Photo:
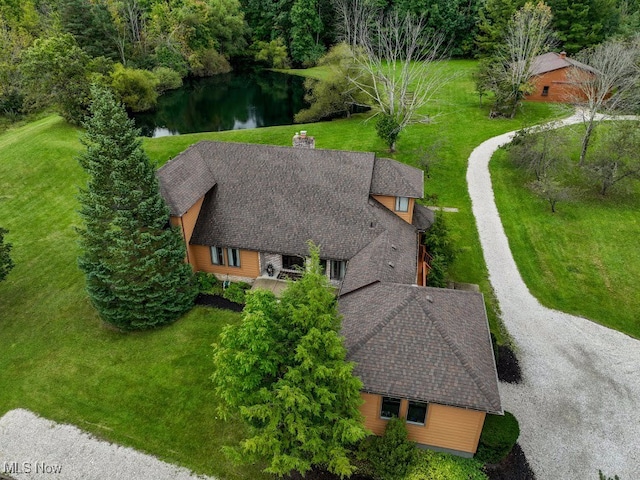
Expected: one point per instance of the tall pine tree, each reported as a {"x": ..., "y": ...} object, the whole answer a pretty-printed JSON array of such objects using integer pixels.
[
  {"x": 133, "y": 260},
  {"x": 284, "y": 371}
]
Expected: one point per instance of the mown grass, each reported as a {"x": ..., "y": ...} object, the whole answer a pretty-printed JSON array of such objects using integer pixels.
[
  {"x": 584, "y": 259},
  {"x": 152, "y": 390}
]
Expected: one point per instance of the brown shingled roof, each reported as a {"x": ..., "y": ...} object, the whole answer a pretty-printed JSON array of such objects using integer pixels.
[
  {"x": 422, "y": 343},
  {"x": 548, "y": 62},
  {"x": 396, "y": 179}
]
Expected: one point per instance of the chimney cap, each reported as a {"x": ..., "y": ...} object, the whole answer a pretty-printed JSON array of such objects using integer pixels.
[{"x": 563, "y": 54}]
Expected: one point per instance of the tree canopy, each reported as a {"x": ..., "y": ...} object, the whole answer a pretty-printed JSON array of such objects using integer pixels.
[
  {"x": 283, "y": 371},
  {"x": 133, "y": 260}
]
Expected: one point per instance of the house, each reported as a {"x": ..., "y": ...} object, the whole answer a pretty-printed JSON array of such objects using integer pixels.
[
  {"x": 247, "y": 212},
  {"x": 552, "y": 77}
]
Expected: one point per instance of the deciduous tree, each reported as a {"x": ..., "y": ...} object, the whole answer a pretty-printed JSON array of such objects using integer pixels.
[
  {"x": 528, "y": 35},
  {"x": 609, "y": 86},
  {"x": 400, "y": 58},
  {"x": 133, "y": 260},
  {"x": 617, "y": 157},
  {"x": 283, "y": 371},
  {"x": 56, "y": 72}
]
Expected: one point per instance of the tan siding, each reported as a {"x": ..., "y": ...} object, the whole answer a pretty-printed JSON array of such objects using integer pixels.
[
  {"x": 450, "y": 427},
  {"x": 370, "y": 410},
  {"x": 446, "y": 427},
  {"x": 187, "y": 222},
  {"x": 390, "y": 203},
  {"x": 249, "y": 263}
]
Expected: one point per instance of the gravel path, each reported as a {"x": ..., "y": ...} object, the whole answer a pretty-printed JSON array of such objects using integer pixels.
[
  {"x": 41, "y": 449},
  {"x": 579, "y": 403}
]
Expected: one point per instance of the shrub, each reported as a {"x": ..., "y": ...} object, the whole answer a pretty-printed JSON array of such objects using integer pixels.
[
  {"x": 429, "y": 465},
  {"x": 441, "y": 249},
  {"x": 388, "y": 130},
  {"x": 167, "y": 79},
  {"x": 236, "y": 292},
  {"x": 136, "y": 88},
  {"x": 206, "y": 281},
  {"x": 499, "y": 435},
  {"x": 208, "y": 62},
  {"x": 391, "y": 455}
]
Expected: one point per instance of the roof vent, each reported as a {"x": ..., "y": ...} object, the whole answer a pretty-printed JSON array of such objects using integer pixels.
[
  {"x": 393, "y": 247},
  {"x": 372, "y": 224},
  {"x": 429, "y": 299},
  {"x": 391, "y": 265}
]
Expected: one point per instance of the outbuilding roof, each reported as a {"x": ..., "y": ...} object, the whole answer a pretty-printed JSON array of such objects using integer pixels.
[
  {"x": 422, "y": 343},
  {"x": 548, "y": 62}
]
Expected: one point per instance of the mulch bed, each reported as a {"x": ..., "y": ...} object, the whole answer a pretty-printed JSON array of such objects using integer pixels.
[
  {"x": 317, "y": 474},
  {"x": 508, "y": 366},
  {"x": 217, "y": 301},
  {"x": 514, "y": 467}
]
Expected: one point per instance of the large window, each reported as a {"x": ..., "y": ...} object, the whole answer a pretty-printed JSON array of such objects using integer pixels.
[
  {"x": 217, "y": 256},
  {"x": 417, "y": 413},
  {"x": 402, "y": 204},
  {"x": 390, "y": 407},
  {"x": 337, "y": 269},
  {"x": 292, "y": 262},
  {"x": 233, "y": 257}
]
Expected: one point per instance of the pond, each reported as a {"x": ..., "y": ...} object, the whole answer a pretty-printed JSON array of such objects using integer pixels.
[{"x": 225, "y": 102}]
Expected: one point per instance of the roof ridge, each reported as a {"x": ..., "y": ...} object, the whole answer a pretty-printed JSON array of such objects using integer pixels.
[
  {"x": 382, "y": 323},
  {"x": 459, "y": 354}
]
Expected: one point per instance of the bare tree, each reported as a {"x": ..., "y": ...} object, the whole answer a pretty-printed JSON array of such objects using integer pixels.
[
  {"x": 399, "y": 68},
  {"x": 617, "y": 157},
  {"x": 552, "y": 190},
  {"x": 528, "y": 35},
  {"x": 608, "y": 84},
  {"x": 352, "y": 16}
]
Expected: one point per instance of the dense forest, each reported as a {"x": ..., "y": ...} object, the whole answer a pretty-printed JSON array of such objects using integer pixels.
[{"x": 52, "y": 50}]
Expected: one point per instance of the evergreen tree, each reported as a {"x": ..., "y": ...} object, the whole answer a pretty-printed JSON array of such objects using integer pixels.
[
  {"x": 306, "y": 26},
  {"x": 133, "y": 261},
  {"x": 283, "y": 371},
  {"x": 6, "y": 264}
]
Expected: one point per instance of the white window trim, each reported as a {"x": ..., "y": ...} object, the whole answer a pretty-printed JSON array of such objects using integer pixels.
[
  {"x": 426, "y": 413},
  {"x": 230, "y": 257},
  {"x": 399, "y": 204},
  {"x": 219, "y": 254}
]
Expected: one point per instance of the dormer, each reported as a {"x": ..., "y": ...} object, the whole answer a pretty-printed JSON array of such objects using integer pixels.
[{"x": 396, "y": 186}]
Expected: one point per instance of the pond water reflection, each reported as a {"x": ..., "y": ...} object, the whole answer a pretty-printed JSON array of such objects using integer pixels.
[{"x": 225, "y": 102}]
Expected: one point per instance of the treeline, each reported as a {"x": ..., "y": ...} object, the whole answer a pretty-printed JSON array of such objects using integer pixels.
[{"x": 51, "y": 50}]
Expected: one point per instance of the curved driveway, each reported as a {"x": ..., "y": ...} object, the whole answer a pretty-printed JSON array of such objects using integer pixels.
[{"x": 579, "y": 403}]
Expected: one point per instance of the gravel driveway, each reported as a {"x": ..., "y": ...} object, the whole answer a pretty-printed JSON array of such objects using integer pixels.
[
  {"x": 34, "y": 448},
  {"x": 579, "y": 403}
]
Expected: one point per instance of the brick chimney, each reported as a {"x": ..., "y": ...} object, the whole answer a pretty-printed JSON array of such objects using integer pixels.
[
  {"x": 302, "y": 140},
  {"x": 563, "y": 54}
]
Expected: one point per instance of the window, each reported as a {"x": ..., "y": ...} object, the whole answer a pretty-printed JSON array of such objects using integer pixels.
[
  {"x": 417, "y": 413},
  {"x": 217, "y": 256},
  {"x": 292, "y": 262},
  {"x": 337, "y": 269},
  {"x": 402, "y": 204},
  {"x": 390, "y": 407},
  {"x": 233, "y": 256},
  {"x": 545, "y": 91},
  {"x": 323, "y": 266}
]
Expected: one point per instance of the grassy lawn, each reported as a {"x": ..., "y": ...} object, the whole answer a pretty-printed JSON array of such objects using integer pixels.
[
  {"x": 584, "y": 259},
  {"x": 151, "y": 390}
]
